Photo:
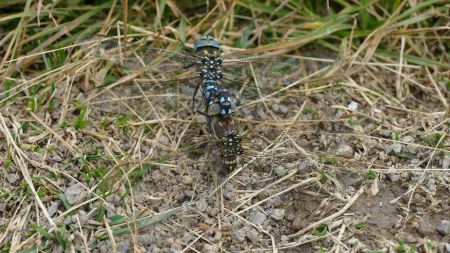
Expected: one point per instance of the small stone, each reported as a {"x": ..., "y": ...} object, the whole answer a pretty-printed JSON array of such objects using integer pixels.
[
  {"x": 12, "y": 178},
  {"x": 57, "y": 158},
  {"x": 443, "y": 227},
  {"x": 164, "y": 140},
  {"x": 385, "y": 133},
  {"x": 283, "y": 109},
  {"x": 53, "y": 208},
  {"x": 304, "y": 166},
  {"x": 352, "y": 106},
  {"x": 186, "y": 180},
  {"x": 277, "y": 214},
  {"x": 229, "y": 186},
  {"x": 176, "y": 245},
  {"x": 447, "y": 248},
  {"x": 189, "y": 193},
  {"x": 36, "y": 157},
  {"x": 370, "y": 143},
  {"x": 168, "y": 242},
  {"x": 58, "y": 249},
  {"x": 345, "y": 150},
  {"x": 218, "y": 236},
  {"x": 110, "y": 210},
  {"x": 407, "y": 139},
  {"x": 68, "y": 220},
  {"x": 201, "y": 205},
  {"x": 253, "y": 235},
  {"x": 280, "y": 170},
  {"x": 124, "y": 247},
  {"x": 394, "y": 177},
  {"x": 261, "y": 114},
  {"x": 146, "y": 239},
  {"x": 298, "y": 222},
  {"x": 239, "y": 235},
  {"x": 75, "y": 193},
  {"x": 276, "y": 107},
  {"x": 397, "y": 147},
  {"x": 210, "y": 248},
  {"x": 446, "y": 163},
  {"x": 2, "y": 222},
  {"x": 424, "y": 229},
  {"x": 259, "y": 218},
  {"x": 349, "y": 179},
  {"x": 83, "y": 217},
  {"x": 290, "y": 217},
  {"x": 387, "y": 148},
  {"x": 431, "y": 183}
]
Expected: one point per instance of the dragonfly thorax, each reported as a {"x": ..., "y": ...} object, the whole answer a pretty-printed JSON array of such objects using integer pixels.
[{"x": 210, "y": 67}]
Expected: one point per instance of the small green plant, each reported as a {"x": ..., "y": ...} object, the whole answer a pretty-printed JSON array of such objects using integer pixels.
[
  {"x": 328, "y": 159},
  {"x": 42, "y": 231},
  {"x": 81, "y": 120},
  {"x": 8, "y": 84},
  {"x": 323, "y": 175},
  {"x": 64, "y": 124},
  {"x": 105, "y": 122},
  {"x": 403, "y": 248},
  {"x": 371, "y": 174},
  {"x": 322, "y": 230},
  {"x": 309, "y": 111},
  {"x": 61, "y": 238},
  {"x": 63, "y": 199},
  {"x": 7, "y": 162},
  {"x": 432, "y": 139},
  {"x": 395, "y": 136},
  {"x": 360, "y": 225},
  {"x": 6, "y": 248},
  {"x": 353, "y": 123},
  {"x": 122, "y": 122}
]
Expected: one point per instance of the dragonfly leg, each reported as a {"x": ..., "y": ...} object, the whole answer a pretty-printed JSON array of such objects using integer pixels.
[
  {"x": 193, "y": 97},
  {"x": 208, "y": 120}
]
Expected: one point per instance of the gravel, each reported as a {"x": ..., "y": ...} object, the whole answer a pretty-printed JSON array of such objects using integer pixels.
[
  {"x": 259, "y": 218},
  {"x": 345, "y": 150},
  {"x": 277, "y": 214},
  {"x": 75, "y": 194},
  {"x": 407, "y": 139},
  {"x": 394, "y": 177},
  {"x": 353, "y": 106},
  {"x": 83, "y": 216},
  {"x": 253, "y": 235},
  {"x": 12, "y": 178},
  {"x": 239, "y": 235},
  {"x": 201, "y": 205},
  {"x": 443, "y": 227},
  {"x": 53, "y": 208},
  {"x": 210, "y": 248},
  {"x": 397, "y": 147}
]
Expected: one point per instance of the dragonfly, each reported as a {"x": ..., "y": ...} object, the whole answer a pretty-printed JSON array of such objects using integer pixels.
[{"x": 256, "y": 88}]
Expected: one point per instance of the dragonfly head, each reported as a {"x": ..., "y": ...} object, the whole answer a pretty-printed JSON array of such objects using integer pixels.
[{"x": 207, "y": 44}]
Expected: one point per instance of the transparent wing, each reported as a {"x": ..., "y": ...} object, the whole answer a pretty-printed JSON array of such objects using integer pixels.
[
  {"x": 138, "y": 56},
  {"x": 275, "y": 87}
]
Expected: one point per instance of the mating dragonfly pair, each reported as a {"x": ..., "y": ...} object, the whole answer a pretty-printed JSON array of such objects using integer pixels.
[{"x": 235, "y": 90}]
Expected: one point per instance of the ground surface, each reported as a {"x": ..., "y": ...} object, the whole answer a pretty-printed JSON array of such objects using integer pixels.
[{"x": 352, "y": 159}]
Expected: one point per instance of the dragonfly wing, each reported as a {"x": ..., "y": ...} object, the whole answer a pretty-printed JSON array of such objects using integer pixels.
[
  {"x": 277, "y": 81},
  {"x": 137, "y": 57}
]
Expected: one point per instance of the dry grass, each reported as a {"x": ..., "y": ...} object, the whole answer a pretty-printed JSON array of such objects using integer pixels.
[{"x": 126, "y": 150}]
